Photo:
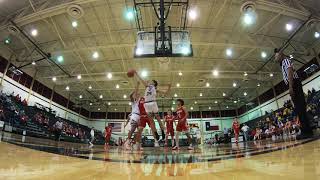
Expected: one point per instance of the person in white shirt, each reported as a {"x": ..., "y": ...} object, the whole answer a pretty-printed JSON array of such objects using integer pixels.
[
  {"x": 92, "y": 137},
  {"x": 58, "y": 129},
  {"x": 151, "y": 101},
  {"x": 134, "y": 117},
  {"x": 198, "y": 135},
  {"x": 245, "y": 130}
]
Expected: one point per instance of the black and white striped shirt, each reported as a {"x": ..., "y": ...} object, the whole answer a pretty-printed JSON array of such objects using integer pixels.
[{"x": 285, "y": 65}]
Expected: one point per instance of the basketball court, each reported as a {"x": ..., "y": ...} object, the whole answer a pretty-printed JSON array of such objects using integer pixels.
[{"x": 159, "y": 89}]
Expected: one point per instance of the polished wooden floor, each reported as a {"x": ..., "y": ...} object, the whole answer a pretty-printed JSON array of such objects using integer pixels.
[{"x": 33, "y": 158}]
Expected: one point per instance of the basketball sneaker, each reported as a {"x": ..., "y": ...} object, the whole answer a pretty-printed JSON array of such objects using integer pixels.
[
  {"x": 190, "y": 147},
  {"x": 127, "y": 145}
]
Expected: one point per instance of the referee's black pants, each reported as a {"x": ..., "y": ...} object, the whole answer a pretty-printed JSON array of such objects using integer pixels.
[{"x": 300, "y": 107}]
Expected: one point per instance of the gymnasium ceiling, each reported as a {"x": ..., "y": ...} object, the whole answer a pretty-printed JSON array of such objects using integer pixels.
[{"x": 103, "y": 28}]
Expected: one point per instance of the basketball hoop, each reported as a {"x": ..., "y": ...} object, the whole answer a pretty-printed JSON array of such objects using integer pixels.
[{"x": 164, "y": 62}]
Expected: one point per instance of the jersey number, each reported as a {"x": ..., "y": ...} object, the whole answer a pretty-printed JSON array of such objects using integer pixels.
[{"x": 149, "y": 91}]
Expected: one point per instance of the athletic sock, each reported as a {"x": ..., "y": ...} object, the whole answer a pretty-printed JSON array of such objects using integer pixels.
[{"x": 177, "y": 139}]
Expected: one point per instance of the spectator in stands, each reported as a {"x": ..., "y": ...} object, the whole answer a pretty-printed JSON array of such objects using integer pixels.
[
  {"x": 58, "y": 127},
  {"x": 24, "y": 102},
  {"x": 245, "y": 129},
  {"x": 2, "y": 116},
  {"x": 46, "y": 122},
  {"x": 18, "y": 98},
  {"x": 24, "y": 119},
  {"x": 225, "y": 133},
  {"x": 257, "y": 135}
]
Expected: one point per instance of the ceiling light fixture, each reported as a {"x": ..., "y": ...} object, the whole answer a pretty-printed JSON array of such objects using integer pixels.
[
  {"x": 144, "y": 73},
  {"x": 74, "y": 24},
  {"x": 109, "y": 75},
  {"x": 34, "y": 32},
  {"x": 130, "y": 14},
  {"x": 215, "y": 72},
  {"x": 229, "y": 52},
  {"x": 95, "y": 55},
  {"x": 234, "y": 84},
  {"x": 193, "y": 14},
  {"x": 289, "y": 27},
  {"x": 60, "y": 59}
]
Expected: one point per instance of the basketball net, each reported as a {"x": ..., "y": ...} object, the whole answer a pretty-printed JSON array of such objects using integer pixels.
[{"x": 164, "y": 62}]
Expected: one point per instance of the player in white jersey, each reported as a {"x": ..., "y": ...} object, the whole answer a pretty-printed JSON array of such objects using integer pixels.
[
  {"x": 134, "y": 117},
  {"x": 150, "y": 104}
]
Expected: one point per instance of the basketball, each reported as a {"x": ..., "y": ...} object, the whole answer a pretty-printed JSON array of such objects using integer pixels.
[{"x": 131, "y": 72}]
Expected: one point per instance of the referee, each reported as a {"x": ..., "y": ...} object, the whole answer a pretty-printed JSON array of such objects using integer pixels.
[{"x": 291, "y": 78}]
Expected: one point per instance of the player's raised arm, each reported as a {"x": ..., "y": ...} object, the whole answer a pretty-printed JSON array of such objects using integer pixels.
[
  {"x": 145, "y": 83},
  {"x": 134, "y": 94}
]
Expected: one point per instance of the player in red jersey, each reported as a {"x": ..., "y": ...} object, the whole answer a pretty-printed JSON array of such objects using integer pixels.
[
  {"x": 108, "y": 131},
  {"x": 182, "y": 126},
  {"x": 236, "y": 128},
  {"x": 169, "y": 119},
  {"x": 144, "y": 120}
]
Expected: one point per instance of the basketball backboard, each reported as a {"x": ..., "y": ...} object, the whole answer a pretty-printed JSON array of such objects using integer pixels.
[{"x": 176, "y": 44}]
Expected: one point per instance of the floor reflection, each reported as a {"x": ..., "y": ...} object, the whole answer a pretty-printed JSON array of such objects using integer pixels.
[{"x": 252, "y": 160}]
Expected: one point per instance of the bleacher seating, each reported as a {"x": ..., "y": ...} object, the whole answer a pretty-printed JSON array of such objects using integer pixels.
[
  {"x": 286, "y": 116},
  {"x": 38, "y": 122}
]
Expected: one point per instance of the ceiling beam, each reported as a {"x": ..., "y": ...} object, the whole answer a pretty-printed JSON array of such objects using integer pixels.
[
  {"x": 284, "y": 10},
  {"x": 46, "y": 13}
]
